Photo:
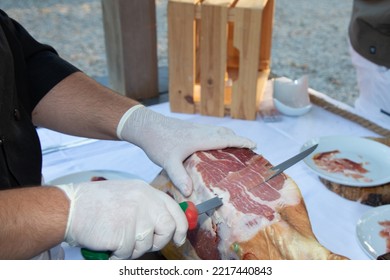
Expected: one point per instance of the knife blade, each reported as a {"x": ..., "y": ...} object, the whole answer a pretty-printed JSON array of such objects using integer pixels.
[
  {"x": 192, "y": 211},
  {"x": 276, "y": 170},
  {"x": 208, "y": 205}
]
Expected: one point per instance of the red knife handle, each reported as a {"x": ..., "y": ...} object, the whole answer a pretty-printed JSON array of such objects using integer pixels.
[{"x": 191, "y": 213}]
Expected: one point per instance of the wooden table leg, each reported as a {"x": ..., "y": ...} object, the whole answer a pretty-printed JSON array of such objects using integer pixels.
[{"x": 131, "y": 47}]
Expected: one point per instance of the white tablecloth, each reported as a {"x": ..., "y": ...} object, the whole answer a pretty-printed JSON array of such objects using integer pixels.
[{"x": 333, "y": 218}]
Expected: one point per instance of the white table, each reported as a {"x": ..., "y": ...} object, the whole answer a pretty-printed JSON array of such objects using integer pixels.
[{"x": 333, "y": 218}]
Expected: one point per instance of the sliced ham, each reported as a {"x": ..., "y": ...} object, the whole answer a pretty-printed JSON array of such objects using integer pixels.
[
  {"x": 385, "y": 233},
  {"x": 329, "y": 162},
  {"x": 256, "y": 221}
]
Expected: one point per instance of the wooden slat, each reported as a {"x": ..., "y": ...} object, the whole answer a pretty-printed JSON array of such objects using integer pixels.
[
  {"x": 131, "y": 47},
  {"x": 247, "y": 31},
  {"x": 266, "y": 35},
  {"x": 231, "y": 4},
  {"x": 213, "y": 47},
  {"x": 181, "y": 55},
  {"x": 262, "y": 80}
]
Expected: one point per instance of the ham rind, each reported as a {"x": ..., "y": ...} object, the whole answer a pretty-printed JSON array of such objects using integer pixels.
[{"x": 258, "y": 220}]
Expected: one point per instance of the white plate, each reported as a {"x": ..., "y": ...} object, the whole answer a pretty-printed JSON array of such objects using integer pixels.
[
  {"x": 368, "y": 228},
  {"x": 374, "y": 155},
  {"x": 85, "y": 176}
]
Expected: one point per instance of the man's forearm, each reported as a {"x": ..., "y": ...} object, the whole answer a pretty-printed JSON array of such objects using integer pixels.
[
  {"x": 32, "y": 221},
  {"x": 78, "y": 105}
]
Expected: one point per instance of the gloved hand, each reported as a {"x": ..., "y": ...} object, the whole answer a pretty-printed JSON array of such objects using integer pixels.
[
  {"x": 169, "y": 141},
  {"x": 128, "y": 218}
]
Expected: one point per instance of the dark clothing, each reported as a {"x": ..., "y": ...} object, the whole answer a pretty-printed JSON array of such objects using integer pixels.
[
  {"x": 369, "y": 30},
  {"x": 28, "y": 70}
]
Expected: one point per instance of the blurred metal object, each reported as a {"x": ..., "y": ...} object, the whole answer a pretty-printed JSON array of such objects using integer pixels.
[
  {"x": 384, "y": 112},
  {"x": 66, "y": 146}
]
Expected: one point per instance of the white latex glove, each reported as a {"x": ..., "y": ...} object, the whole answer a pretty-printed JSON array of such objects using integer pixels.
[
  {"x": 169, "y": 141},
  {"x": 128, "y": 218}
]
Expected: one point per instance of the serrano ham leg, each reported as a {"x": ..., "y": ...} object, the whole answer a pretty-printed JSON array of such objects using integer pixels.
[{"x": 257, "y": 220}]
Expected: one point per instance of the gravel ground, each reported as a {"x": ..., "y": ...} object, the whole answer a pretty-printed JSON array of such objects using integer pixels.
[{"x": 309, "y": 37}]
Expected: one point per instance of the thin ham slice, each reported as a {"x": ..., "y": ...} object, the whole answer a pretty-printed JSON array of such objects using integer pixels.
[
  {"x": 329, "y": 162},
  {"x": 257, "y": 220},
  {"x": 385, "y": 233}
]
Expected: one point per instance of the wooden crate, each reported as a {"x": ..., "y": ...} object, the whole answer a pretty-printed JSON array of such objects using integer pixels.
[{"x": 219, "y": 55}]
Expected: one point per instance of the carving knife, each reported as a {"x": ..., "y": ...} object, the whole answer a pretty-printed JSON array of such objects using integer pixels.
[{"x": 276, "y": 170}]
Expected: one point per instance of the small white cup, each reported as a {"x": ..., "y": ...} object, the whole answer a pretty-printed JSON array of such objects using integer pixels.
[{"x": 292, "y": 95}]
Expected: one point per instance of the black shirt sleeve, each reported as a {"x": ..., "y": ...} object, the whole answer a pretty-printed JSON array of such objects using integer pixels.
[{"x": 38, "y": 67}]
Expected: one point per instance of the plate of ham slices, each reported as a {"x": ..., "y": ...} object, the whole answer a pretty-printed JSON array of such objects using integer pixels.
[
  {"x": 373, "y": 231},
  {"x": 349, "y": 160},
  {"x": 92, "y": 175}
]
